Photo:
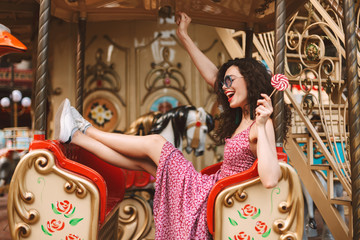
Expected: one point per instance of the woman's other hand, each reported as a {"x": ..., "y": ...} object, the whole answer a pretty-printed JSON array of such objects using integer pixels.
[{"x": 264, "y": 109}]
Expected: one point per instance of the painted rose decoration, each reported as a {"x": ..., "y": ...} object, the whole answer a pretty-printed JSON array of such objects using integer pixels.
[
  {"x": 249, "y": 211},
  {"x": 65, "y": 210},
  {"x": 64, "y": 207},
  {"x": 72, "y": 237},
  {"x": 242, "y": 236},
  {"x": 55, "y": 225},
  {"x": 260, "y": 227}
]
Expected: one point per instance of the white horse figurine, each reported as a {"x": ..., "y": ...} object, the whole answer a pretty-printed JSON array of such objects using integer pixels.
[
  {"x": 184, "y": 121},
  {"x": 178, "y": 123}
]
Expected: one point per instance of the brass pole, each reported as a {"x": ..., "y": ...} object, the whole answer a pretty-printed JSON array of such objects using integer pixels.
[
  {"x": 42, "y": 67},
  {"x": 80, "y": 59},
  {"x": 278, "y": 103},
  {"x": 354, "y": 110}
]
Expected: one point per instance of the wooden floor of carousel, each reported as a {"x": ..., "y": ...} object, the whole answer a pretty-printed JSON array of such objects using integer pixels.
[{"x": 5, "y": 231}]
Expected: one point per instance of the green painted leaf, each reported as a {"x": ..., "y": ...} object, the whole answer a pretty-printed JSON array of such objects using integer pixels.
[
  {"x": 75, "y": 221},
  {"x": 45, "y": 231},
  {"x": 229, "y": 238},
  {"x": 241, "y": 215},
  {"x": 266, "y": 234},
  {"x": 256, "y": 215},
  {"x": 70, "y": 215},
  {"x": 277, "y": 189},
  {"x": 233, "y": 222},
  {"x": 54, "y": 209}
]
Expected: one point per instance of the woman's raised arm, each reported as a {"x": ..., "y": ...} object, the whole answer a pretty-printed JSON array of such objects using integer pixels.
[{"x": 207, "y": 69}]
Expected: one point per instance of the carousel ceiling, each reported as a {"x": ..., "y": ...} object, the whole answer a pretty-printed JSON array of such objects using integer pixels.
[
  {"x": 236, "y": 14},
  {"x": 21, "y": 16}
]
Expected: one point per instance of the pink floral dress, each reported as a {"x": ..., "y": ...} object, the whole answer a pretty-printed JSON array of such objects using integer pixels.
[{"x": 181, "y": 193}]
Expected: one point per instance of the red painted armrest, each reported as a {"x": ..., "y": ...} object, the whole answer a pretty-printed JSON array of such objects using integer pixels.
[
  {"x": 88, "y": 165},
  {"x": 228, "y": 181},
  {"x": 221, "y": 184}
]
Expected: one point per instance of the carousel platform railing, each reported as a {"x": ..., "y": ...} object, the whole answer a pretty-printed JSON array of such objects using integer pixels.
[
  {"x": 61, "y": 191},
  {"x": 239, "y": 207}
]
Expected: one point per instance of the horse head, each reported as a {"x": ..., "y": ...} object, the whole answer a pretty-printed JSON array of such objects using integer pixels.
[
  {"x": 188, "y": 122},
  {"x": 198, "y": 124}
]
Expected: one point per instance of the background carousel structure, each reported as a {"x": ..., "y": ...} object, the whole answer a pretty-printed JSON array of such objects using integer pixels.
[{"x": 306, "y": 40}]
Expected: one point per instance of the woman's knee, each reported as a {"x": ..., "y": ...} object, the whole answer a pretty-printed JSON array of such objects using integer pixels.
[
  {"x": 155, "y": 140},
  {"x": 153, "y": 145}
]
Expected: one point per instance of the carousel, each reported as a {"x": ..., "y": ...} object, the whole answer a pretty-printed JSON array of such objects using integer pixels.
[{"x": 122, "y": 66}]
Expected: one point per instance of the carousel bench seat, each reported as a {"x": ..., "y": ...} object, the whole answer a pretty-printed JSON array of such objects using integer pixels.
[
  {"x": 113, "y": 177},
  {"x": 239, "y": 207},
  {"x": 63, "y": 191}
]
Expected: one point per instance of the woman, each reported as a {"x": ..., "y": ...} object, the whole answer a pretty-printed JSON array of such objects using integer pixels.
[{"x": 181, "y": 193}]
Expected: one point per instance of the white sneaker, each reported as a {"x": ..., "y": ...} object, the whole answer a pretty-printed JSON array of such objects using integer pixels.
[
  {"x": 81, "y": 123},
  {"x": 65, "y": 125}
]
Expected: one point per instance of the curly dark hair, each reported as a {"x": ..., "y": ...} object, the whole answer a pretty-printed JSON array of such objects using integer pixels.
[{"x": 258, "y": 80}]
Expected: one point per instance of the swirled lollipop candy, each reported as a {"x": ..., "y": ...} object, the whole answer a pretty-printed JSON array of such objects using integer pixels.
[{"x": 280, "y": 82}]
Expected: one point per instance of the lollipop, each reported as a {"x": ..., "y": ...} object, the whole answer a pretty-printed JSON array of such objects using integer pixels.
[{"x": 280, "y": 82}]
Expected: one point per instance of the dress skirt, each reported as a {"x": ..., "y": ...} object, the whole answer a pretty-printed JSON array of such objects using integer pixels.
[{"x": 181, "y": 195}]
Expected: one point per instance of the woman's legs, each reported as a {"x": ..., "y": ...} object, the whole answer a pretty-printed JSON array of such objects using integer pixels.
[
  {"x": 139, "y": 147},
  {"x": 113, "y": 157},
  {"x": 127, "y": 151}
]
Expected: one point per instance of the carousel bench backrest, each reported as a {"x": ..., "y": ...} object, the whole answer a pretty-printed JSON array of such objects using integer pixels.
[
  {"x": 53, "y": 197},
  {"x": 113, "y": 177},
  {"x": 239, "y": 207}
]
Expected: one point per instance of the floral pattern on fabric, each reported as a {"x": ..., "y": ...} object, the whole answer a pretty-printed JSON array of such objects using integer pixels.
[{"x": 181, "y": 192}]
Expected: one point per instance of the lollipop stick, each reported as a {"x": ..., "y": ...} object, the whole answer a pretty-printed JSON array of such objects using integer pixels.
[{"x": 272, "y": 92}]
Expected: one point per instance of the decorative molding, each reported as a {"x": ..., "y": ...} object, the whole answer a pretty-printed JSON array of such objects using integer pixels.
[
  {"x": 135, "y": 216},
  {"x": 20, "y": 213},
  {"x": 288, "y": 205}
]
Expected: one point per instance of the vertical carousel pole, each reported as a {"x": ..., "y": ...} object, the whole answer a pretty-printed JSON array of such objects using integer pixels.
[
  {"x": 41, "y": 70},
  {"x": 354, "y": 111},
  {"x": 278, "y": 103},
  {"x": 249, "y": 43},
  {"x": 80, "y": 62}
]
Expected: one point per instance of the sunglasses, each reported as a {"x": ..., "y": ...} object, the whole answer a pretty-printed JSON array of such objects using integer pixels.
[{"x": 228, "y": 80}]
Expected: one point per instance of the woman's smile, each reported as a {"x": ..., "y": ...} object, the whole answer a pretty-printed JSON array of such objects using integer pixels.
[{"x": 235, "y": 87}]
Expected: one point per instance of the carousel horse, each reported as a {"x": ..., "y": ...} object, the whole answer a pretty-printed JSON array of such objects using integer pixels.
[
  {"x": 184, "y": 121},
  {"x": 181, "y": 122},
  {"x": 187, "y": 122}
]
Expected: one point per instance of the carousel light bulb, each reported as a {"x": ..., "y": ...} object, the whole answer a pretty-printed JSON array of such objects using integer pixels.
[
  {"x": 16, "y": 95},
  {"x": 26, "y": 102},
  {"x": 5, "y": 102}
]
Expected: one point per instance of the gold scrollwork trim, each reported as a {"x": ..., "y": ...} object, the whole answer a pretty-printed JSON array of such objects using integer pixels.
[
  {"x": 44, "y": 163},
  {"x": 129, "y": 209},
  {"x": 240, "y": 195},
  {"x": 293, "y": 205},
  {"x": 75, "y": 186}
]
